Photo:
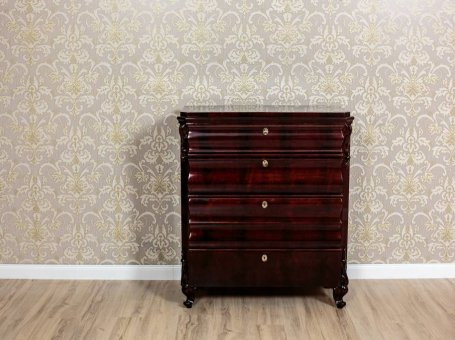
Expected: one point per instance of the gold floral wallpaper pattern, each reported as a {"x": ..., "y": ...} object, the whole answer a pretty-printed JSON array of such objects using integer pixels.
[{"x": 89, "y": 91}]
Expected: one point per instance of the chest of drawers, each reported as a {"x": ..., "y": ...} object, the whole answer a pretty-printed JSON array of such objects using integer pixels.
[{"x": 264, "y": 197}]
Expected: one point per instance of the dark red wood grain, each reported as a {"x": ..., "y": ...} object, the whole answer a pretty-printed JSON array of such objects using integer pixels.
[
  {"x": 286, "y": 222},
  {"x": 323, "y": 138},
  {"x": 245, "y": 268},
  {"x": 270, "y": 238},
  {"x": 293, "y": 175},
  {"x": 303, "y": 226},
  {"x": 285, "y": 209}
]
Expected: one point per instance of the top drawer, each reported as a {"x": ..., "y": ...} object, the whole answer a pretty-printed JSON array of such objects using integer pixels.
[{"x": 231, "y": 138}]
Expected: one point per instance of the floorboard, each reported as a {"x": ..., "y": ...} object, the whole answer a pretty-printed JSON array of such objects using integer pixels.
[{"x": 376, "y": 309}]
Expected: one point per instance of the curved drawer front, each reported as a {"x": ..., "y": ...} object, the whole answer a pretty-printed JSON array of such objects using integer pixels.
[
  {"x": 271, "y": 236},
  {"x": 265, "y": 138},
  {"x": 264, "y": 222},
  {"x": 264, "y": 209},
  {"x": 265, "y": 175}
]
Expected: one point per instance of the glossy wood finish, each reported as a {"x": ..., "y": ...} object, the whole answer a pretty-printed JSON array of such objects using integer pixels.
[
  {"x": 271, "y": 238},
  {"x": 264, "y": 181},
  {"x": 263, "y": 268},
  {"x": 265, "y": 222},
  {"x": 265, "y": 137},
  {"x": 294, "y": 175},
  {"x": 264, "y": 209}
]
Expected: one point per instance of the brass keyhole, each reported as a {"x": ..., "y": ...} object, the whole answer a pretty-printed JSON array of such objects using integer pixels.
[
  {"x": 265, "y": 163},
  {"x": 265, "y": 131},
  {"x": 265, "y": 204},
  {"x": 264, "y": 258}
]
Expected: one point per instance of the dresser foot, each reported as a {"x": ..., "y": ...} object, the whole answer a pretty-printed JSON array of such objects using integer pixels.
[
  {"x": 342, "y": 289},
  {"x": 338, "y": 294},
  {"x": 340, "y": 303},
  {"x": 188, "y": 303},
  {"x": 189, "y": 291}
]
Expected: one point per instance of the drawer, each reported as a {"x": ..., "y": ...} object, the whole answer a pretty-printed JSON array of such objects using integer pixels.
[
  {"x": 266, "y": 175},
  {"x": 265, "y": 222},
  {"x": 263, "y": 268},
  {"x": 265, "y": 210},
  {"x": 271, "y": 236},
  {"x": 323, "y": 138}
]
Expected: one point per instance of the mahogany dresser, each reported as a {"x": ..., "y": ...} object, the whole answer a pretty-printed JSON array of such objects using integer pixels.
[{"x": 264, "y": 197}]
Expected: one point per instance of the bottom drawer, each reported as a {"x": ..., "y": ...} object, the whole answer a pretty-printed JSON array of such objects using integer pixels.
[{"x": 263, "y": 268}]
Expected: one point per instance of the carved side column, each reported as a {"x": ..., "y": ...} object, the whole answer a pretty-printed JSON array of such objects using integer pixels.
[
  {"x": 187, "y": 289},
  {"x": 341, "y": 290}
]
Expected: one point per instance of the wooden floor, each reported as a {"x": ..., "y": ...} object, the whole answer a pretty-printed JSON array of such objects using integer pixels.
[{"x": 395, "y": 309}]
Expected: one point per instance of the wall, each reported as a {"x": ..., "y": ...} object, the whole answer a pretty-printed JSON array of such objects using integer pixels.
[{"x": 89, "y": 91}]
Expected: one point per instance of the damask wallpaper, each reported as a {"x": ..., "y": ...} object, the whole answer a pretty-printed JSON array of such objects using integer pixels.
[{"x": 89, "y": 91}]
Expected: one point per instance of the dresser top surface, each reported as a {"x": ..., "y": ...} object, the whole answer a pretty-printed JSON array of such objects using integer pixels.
[
  {"x": 266, "y": 108},
  {"x": 247, "y": 112}
]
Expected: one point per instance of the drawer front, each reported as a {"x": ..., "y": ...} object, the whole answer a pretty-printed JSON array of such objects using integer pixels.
[
  {"x": 264, "y": 222},
  {"x": 265, "y": 210},
  {"x": 266, "y": 175},
  {"x": 263, "y": 268},
  {"x": 265, "y": 138},
  {"x": 270, "y": 236}
]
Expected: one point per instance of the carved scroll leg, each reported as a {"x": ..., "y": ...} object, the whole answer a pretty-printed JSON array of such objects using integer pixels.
[
  {"x": 338, "y": 293},
  {"x": 341, "y": 290},
  {"x": 189, "y": 291}
]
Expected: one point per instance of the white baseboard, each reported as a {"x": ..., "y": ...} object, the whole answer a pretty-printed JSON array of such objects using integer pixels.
[
  {"x": 172, "y": 272},
  {"x": 89, "y": 272},
  {"x": 401, "y": 271}
]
